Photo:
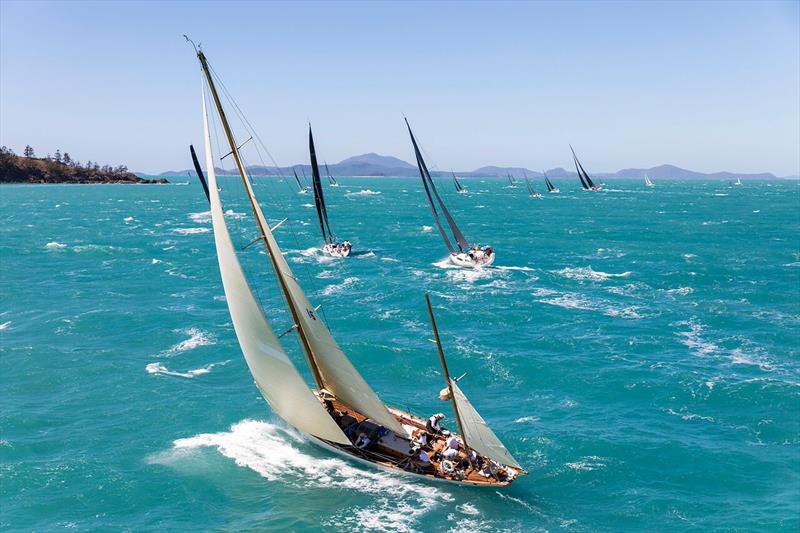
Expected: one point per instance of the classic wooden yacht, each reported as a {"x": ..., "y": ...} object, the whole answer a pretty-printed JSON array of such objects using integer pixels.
[{"x": 342, "y": 413}]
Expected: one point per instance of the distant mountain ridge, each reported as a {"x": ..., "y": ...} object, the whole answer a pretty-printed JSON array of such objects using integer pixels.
[{"x": 373, "y": 164}]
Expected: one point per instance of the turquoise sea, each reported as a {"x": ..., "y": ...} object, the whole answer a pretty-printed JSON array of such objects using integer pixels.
[{"x": 638, "y": 350}]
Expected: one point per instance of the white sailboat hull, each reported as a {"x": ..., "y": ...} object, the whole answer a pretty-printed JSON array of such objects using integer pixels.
[
  {"x": 465, "y": 261},
  {"x": 338, "y": 249}
]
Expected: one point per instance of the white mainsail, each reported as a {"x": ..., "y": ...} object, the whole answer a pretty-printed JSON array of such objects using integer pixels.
[
  {"x": 274, "y": 374},
  {"x": 332, "y": 369},
  {"x": 338, "y": 374},
  {"x": 477, "y": 434}
]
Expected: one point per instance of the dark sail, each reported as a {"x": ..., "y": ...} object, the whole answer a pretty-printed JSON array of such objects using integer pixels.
[
  {"x": 299, "y": 185},
  {"x": 459, "y": 188},
  {"x": 511, "y": 180},
  {"x": 547, "y": 182},
  {"x": 528, "y": 183},
  {"x": 199, "y": 172},
  {"x": 578, "y": 168},
  {"x": 586, "y": 181},
  {"x": 331, "y": 180},
  {"x": 319, "y": 198},
  {"x": 431, "y": 188}
]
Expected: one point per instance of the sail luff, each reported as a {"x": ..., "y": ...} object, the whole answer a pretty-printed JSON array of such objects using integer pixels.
[
  {"x": 299, "y": 185},
  {"x": 578, "y": 168},
  {"x": 547, "y": 182},
  {"x": 426, "y": 175},
  {"x": 331, "y": 367},
  {"x": 276, "y": 377},
  {"x": 319, "y": 198},
  {"x": 528, "y": 183}
]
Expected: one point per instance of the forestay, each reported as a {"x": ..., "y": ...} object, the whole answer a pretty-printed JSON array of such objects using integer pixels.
[
  {"x": 274, "y": 374},
  {"x": 477, "y": 434}
]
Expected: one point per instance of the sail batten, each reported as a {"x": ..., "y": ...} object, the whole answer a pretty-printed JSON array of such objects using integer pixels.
[
  {"x": 276, "y": 377},
  {"x": 477, "y": 432}
]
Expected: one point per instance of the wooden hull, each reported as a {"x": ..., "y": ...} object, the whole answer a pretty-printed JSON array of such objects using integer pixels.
[{"x": 393, "y": 469}]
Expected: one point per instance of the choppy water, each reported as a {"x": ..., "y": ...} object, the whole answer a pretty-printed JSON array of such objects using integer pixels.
[{"x": 637, "y": 349}]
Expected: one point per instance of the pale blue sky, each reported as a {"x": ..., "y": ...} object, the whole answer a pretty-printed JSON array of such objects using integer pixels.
[{"x": 704, "y": 85}]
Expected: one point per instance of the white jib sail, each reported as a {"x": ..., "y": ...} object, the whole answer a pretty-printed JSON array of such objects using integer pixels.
[
  {"x": 274, "y": 374},
  {"x": 477, "y": 433}
]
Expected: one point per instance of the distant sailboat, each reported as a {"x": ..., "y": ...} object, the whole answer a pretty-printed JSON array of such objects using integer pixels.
[
  {"x": 465, "y": 256},
  {"x": 738, "y": 181},
  {"x": 331, "y": 247},
  {"x": 586, "y": 181},
  {"x": 331, "y": 180},
  {"x": 512, "y": 183},
  {"x": 531, "y": 192},
  {"x": 343, "y": 414},
  {"x": 460, "y": 189},
  {"x": 648, "y": 182},
  {"x": 550, "y": 187},
  {"x": 301, "y": 189}
]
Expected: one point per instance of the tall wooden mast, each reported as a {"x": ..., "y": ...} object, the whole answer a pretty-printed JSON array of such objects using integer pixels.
[
  {"x": 445, "y": 371},
  {"x": 240, "y": 166}
]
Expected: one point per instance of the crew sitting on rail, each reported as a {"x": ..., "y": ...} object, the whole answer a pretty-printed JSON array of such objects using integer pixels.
[{"x": 432, "y": 425}]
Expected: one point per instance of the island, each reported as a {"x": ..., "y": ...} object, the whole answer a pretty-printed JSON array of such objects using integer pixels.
[{"x": 61, "y": 169}]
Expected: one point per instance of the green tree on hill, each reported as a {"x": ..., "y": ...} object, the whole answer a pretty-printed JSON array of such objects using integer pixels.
[
  {"x": 67, "y": 159},
  {"x": 29, "y": 151},
  {"x": 57, "y": 157}
]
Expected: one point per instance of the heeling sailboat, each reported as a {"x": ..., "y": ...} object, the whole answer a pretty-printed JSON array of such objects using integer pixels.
[
  {"x": 332, "y": 246},
  {"x": 648, "y": 182},
  {"x": 301, "y": 189},
  {"x": 586, "y": 181},
  {"x": 550, "y": 187},
  {"x": 460, "y": 189},
  {"x": 466, "y": 256},
  {"x": 343, "y": 415},
  {"x": 512, "y": 183},
  {"x": 532, "y": 193},
  {"x": 331, "y": 180}
]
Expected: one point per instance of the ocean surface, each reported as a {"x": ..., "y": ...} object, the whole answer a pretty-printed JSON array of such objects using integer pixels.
[{"x": 637, "y": 349}]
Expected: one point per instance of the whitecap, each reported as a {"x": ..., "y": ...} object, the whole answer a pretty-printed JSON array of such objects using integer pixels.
[
  {"x": 693, "y": 340},
  {"x": 427, "y": 228},
  {"x": 587, "y": 273},
  {"x": 690, "y": 416},
  {"x": 682, "y": 291},
  {"x": 156, "y": 261},
  {"x": 202, "y": 217},
  {"x": 158, "y": 368},
  {"x": 520, "y": 269},
  {"x": 196, "y": 339},
  {"x": 5, "y": 325},
  {"x": 526, "y": 419},
  {"x": 127, "y": 219},
  {"x": 587, "y": 464},
  {"x": 55, "y": 245},
  {"x": 340, "y": 287},
  {"x": 363, "y": 192},
  {"x": 191, "y": 231},
  {"x": 306, "y": 205}
]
